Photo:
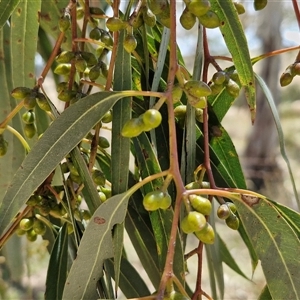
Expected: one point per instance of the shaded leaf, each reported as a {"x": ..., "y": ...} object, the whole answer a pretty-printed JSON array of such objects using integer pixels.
[
  {"x": 131, "y": 283},
  {"x": 6, "y": 9},
  {"x": 275, "y": 243},
  {"x": 228, "y": 259},
  {"x": 15, "y": 152},
  {"x": 57, "y": 141},
  {"x": 120, "y": 146},
  {"x": 58, "y": 265},
  {"x": 96, "y": 246},
  {"x": 142, "y": 238},
  {"x": 265, "y": 294}
]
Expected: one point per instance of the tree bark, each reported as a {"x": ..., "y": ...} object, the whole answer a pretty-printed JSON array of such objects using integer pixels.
[{"x": 261, "y": 150}]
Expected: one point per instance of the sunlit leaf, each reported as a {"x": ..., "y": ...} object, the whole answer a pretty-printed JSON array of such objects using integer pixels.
[
  {"x": 60, "y": 138},
  {"x": 96, "y": 246},
  {"x": 237, "y": 45},
  {"x": 275, "y": 243}
]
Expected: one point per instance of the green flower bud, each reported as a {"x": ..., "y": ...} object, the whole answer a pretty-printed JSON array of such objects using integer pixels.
[{"x": 20, "y": 93}]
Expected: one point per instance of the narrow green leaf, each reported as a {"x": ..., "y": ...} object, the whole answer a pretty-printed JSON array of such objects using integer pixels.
[
  {"x": 274, "y": 111},
  {"x": 221, "y": 103},
  {"x": 228, "y": 259},
  {"x": 237, "y": 45},
  {"x": 289, "y": 215},
  {"x": 265, "y": 294},
  {"x": 58, "y": 265},
  {"x": 6, "y": 9},
  {"x": 57, "y": 141},
  {"x": 275, "y": 243},
  {"x": 96, "y": 246},
  {"x": 15, "y": 152},
  {"x": 161, "y": 220},
  {"x": 189, "y": 144},
  {"x": 142, "y": 238},
  {"x": 51, "y": 11},
  {"x": 24, "y": 31},
  {"x": 120, "y": 149},
  {"x": 216, "y": 259},
  {"x": 91, "y": 195},
  {"x": 223, "y": 157},
  {"x": 131, "y": 283}
]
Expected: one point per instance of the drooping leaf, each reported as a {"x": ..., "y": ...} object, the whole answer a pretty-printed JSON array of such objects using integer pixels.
[
  {"x": 274, "y": 111},
  {"x": 131, "y": 283},
  {"x": 6, "y": 9},
  {"x": 24, "y": 31},
  {"x": 96, "y": 246},
  {"x": 15, "y": 151},
  {"x": 60, "y": 138},
  {"x": 142, "y": 238},
  {"x": 275, "y": 243},
  {"x": 228, "y": 259},
  {"x": 58, "y": 265},
  {"x": 265, "y": 294},
  {"x": 234, "y": 37},
  {"x": 120, "y": 145},
  {"x": 161, "y": 220}
]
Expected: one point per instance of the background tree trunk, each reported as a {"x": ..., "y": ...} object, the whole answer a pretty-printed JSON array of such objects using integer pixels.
[{"x": 261, "y": 150}]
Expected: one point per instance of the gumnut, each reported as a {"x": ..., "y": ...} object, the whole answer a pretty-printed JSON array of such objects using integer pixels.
[
  {"x": 29, "y": 130},
  {"x": 98, "y": 177},
  {"x": 129, "y": 43},
  {"x": 187, "y": 19},
  {"x": 223, "y": 211},
  {"x": 176, "y": 93},
  {"x": 233, "y": 221},
  {"x": 210, "y": 20},
  {"x": 199, "y": 7},
  {"x": 206, "y": 235},
  {"x": 193, "y": 222},
  {"x": 64, "y": 23},
  {"x": 200, "y": 204},
  {"x": 151, "y": 119},
  {"x": 65, "y": 57},
  {"x": 20, "y": 93},
  {"x": 197, "y": 88},
  {"x": 149, "y": 17},
  {"x": 115, "y": 24},
  {"x": 260, "y": 4},
  {"x": 133, "y": 128}
]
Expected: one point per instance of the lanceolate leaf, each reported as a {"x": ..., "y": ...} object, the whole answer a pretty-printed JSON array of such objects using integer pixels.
[
  {"x": 228, "y": 259},
  {"x": 237, "y": 45},
  {"x": 24, "y": 35},
  {"x": 275, "y": 243},
  {"x": 120, "y": 144},
  {"x": 6, "y": 9},
  {"x": 142, "y": 238},
  {"x": 96, "y": 246},
  {"x": 58, "y": 264},
  {"x": 60, "y": 138},
  {"x": 15, "y": 152},
  {"x": 279, "y": 132},
  {"x": 131, "y": 283}
]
